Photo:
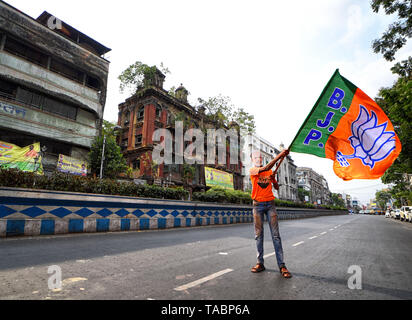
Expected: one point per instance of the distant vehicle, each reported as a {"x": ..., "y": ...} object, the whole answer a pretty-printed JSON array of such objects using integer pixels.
[
  {"x": 387, "y": 214},
  {"x": 379, "y": 212},
  {"x": 405, "y": 213},
  {"x": 367, "y": 212},
  {"x": 362, "y": 211}
]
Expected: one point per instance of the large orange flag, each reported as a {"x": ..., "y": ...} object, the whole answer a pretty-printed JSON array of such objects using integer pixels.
[{"x": 347, "y": 126}]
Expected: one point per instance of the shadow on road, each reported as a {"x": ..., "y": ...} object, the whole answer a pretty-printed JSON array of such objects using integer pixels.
[{"x": 396, "y": 293}]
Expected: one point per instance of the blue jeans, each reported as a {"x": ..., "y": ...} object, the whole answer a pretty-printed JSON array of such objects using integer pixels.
[{"x": 260, "y": 210}]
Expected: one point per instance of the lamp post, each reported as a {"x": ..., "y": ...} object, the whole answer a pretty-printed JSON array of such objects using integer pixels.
[{"x": 115, "y": 129}]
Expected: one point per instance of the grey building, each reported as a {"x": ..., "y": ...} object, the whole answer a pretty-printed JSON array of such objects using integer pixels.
[
  {"x": 53, "y": 81},
  {"x": 315, "y": 183}
]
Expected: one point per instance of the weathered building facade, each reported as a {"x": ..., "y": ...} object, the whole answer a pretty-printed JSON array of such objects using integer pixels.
[
  {"x": 53, "y": 82},
  {"x": 316, "y": 184},
  {"x": 153, "y": 108}
]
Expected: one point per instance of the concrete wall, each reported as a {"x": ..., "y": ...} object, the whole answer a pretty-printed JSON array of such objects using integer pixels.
[
  {"x": 47, "y": 125},
  {"x": 32, "y": 212}
]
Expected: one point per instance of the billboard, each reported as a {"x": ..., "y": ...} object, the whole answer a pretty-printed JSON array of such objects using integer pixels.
[
  {"x": 71, "y": 165},
  {"x": 26, "y": 159},
  {"x": 217, "y": 178}
]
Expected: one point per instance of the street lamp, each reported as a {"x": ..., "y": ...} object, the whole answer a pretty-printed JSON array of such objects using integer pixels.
[{"x": 116, "y": 128}]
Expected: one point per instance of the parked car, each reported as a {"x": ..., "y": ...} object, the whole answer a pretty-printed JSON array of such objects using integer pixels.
[
  {"x": 387, "y": 214},
  {"x": 405, "y": 213},
  {"x": 362, "y": 211},
  {"x": 395, "y": 214}
]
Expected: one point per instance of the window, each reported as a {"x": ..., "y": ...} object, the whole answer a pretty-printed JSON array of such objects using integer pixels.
[
  {"x": 136, "y": 164},
  {"x": 140, "y": 114},
  {"x": 45, "y": 103},
  {"x": 66, "y": 70},
  {"x": 92, "y": 82},
  {"x": 126, "y": 118},
  {"x": 30, "y": 98},
  {"x": 158, "y": 112},
  {"x": 7, "y": 88},
  {"x": 139, "y": 140},
  {"x": 60, "y": 108},
  {"x": 19, "y": 49},
  {"x": 125, "y": 143}
]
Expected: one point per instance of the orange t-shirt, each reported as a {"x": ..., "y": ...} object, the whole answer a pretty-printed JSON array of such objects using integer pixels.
[{"x": 261, "y": 185}]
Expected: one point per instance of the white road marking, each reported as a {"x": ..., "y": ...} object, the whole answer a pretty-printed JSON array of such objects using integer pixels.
[
  {"x": 269, "y": 255},
  {"x": 324, "y": 232},
  {"x": 203, "y": 280},
  {"x": 296, "y": 244},
  {"x": 331, "y": 229},
  {"x": 314, "y": 237},
  {"x": 223, "y": 253}
]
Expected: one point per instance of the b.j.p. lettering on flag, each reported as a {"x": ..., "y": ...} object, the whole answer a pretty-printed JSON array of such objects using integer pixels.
[{"x": 347, "y": 126}]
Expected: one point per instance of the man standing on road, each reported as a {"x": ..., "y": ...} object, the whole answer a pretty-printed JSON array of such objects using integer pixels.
[{"x": 264, "y": 205}]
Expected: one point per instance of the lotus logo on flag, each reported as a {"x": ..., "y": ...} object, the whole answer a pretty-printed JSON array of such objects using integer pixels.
[{"x": 370, "y": 141}]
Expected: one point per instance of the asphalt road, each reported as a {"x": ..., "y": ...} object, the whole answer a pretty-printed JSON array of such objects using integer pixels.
[{"x": 213, "y": 263}]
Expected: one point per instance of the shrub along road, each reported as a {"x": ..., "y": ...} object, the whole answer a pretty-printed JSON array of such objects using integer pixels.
[{"x": 214, "y": 262}]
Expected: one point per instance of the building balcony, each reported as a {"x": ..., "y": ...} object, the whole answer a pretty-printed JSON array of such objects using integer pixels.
[
  {"x": 14, "y": 67},
  {"x": 18, "y": 116}
]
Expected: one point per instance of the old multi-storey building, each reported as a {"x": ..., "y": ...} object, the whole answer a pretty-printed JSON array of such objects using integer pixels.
[
  {"x": 288, "y": 184},
  {"x": 53, "y": 81},
  {"x": 286, "y": 174},
  {"x": 152, "y": 108},
  {"x": 315, "y": 183}
]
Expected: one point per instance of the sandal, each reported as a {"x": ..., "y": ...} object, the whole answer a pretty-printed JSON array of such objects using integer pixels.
[
  {"x": 258, "y": 268},
  {"x": 285, "y": 272}
]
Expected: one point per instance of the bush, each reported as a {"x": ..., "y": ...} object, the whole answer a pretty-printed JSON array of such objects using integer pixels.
[
  {"x": 221, "y": 195},
  {"x": 66, "y": 182}
]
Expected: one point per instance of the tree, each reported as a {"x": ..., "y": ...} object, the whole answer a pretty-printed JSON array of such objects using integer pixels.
[
  {"x": 382, "y": 198},
  {"x": 220, "y": 110},
  {"x": 396, "y": 102},
  {"x": 337, "y": 200},
  {"x": 302, "y": 193},
  {"x": 138, "y": 76},
  {"x": 114, "y": 163},
  {"x": 397, "y": 33}
]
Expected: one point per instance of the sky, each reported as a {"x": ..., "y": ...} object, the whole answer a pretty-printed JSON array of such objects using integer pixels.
[{"x": 272, "y": 58}]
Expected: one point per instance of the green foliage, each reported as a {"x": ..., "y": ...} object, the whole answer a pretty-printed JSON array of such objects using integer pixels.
[
  {"x": 397, "y": 104},
  {"x": 114, "y": 163},
  {"x": 189, "y": 172},
  {"x": 221, "y": 111},
  {"x": 65, "y": 182},
  {"x": 138, "y": 76},
  {"x": 397, "y": 33},
  {"x": 382, "y": 197},
  {"x": 337, "y": 201},
  {"x": 221, "y": 195},
  {"x": 302, "y": 193}
]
